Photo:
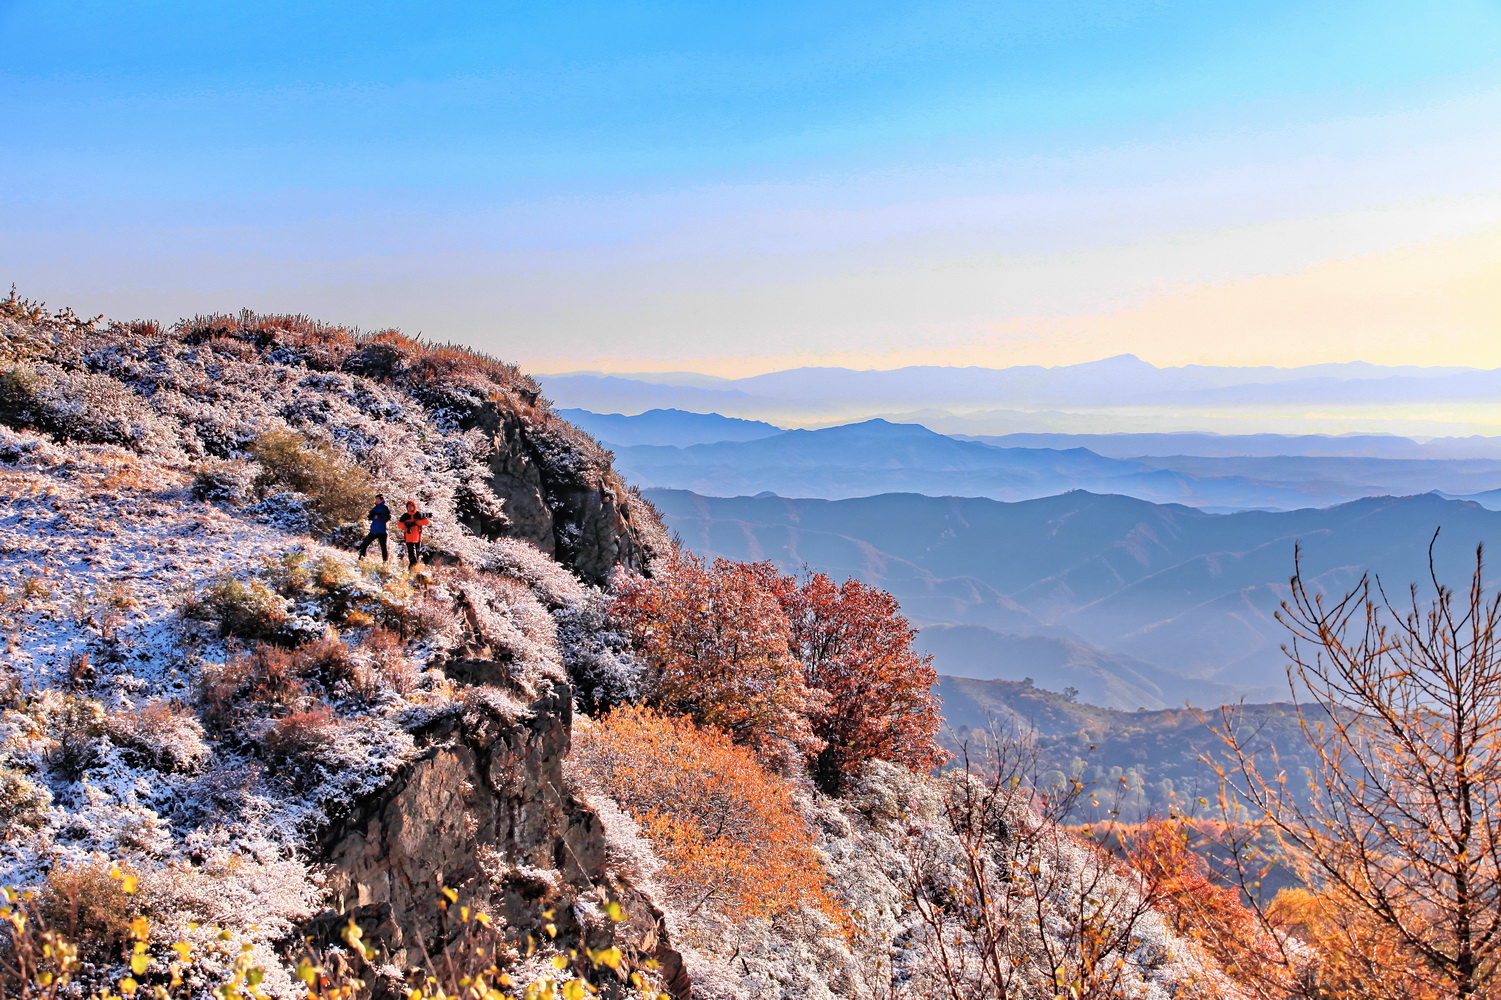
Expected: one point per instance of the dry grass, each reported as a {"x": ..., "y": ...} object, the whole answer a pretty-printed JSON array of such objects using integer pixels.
[{"x": 266, "y": 678}]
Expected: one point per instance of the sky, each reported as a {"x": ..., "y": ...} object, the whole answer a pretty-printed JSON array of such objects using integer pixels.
[{"x": 736, "y": 188}]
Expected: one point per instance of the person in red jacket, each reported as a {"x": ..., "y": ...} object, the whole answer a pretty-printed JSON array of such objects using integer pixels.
[{"x": 411, "y": 527}]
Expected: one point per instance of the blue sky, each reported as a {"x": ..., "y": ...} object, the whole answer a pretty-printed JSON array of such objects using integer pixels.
[{"x": 739, "y": 187}]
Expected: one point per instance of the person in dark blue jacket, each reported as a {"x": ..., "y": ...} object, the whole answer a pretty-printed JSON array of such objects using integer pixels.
[{"x": 379, "y": 515}]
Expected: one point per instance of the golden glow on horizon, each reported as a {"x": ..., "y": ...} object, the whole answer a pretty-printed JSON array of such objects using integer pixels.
[{"x": 1435, "y": 303}]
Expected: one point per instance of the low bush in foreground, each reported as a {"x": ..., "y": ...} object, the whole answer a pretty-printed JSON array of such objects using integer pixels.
[{"x": 86, "y": 936}]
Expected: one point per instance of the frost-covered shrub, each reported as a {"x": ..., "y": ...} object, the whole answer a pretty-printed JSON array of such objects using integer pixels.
[
  {"x": 406, "y": 605},
  {"x": 378, "y": 360},
  {"x": 294, "y": 742},
  {"x": 77, "y": 727},
  {"x": 335, "y": 587},
  {"x": 338, "y": 489},
  {"x": 505, "y": 622},
  {"x": 20, "y": 405},
  {"x": 265, "y": 679},
  {"x": 382, "y": 662},
  {"x": 22, "y": 448},
  {"x": 223, "y": 481},
  {"x": 91, "y": 899},
  {"x": 21, "y": 803},
  {"x": 328, "y": 662},
  {"x": 288, "y": 512},
  {"x": 85, "y": 407},
  {"x": 597, "y": 655},
  {"x": 520, "y": 560},
  {"x": 244, "y": 609},
  {"x": 161, "y": 735}
]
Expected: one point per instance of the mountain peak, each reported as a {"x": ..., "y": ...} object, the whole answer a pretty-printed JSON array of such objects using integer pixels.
[{"x": 1118, "y": 361}]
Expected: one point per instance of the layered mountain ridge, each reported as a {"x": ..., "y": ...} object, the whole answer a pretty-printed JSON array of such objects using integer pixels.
[{"x": 1134, "y": 603}]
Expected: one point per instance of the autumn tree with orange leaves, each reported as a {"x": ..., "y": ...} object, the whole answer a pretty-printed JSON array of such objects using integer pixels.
[
  {"x": 1349, "y": 954},
  {"x": 717, "y": 649},
  {"x": 805, "y": 672}
]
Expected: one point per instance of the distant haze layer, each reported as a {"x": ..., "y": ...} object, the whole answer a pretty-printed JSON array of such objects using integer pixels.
[{"x": 1121, "y": 394}]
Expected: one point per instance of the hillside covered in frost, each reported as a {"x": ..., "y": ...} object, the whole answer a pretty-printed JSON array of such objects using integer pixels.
[{"x": 208, "y": 699}]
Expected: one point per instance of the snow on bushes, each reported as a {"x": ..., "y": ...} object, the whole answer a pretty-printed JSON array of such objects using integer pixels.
[
  {"x": 192, "y": 687},
  {"x": 338, "y": 489}
]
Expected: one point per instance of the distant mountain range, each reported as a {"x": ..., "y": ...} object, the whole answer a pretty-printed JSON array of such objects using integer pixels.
[
  {"x": 1133, "y": 603},
  {"x": 877, "y": 456},
  {"x": 1251, "y": 445},
  {"x": 1099, "y": 396},
  {"x": 675, "y": 428}
]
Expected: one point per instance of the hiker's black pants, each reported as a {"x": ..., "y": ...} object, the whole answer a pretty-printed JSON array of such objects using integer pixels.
[
  {"x": 373, "y": 537},
  {"x": 414, "y": 549}
]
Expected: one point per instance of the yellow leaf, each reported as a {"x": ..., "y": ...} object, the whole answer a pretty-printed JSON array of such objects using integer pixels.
[
  {"x": 559, "y": 962},
  {"x": 138, "y": 964},
  {"x": 128, "y": 985},
  {"x": 128, "y": 884},
  {"x": 614, "y": 912}
]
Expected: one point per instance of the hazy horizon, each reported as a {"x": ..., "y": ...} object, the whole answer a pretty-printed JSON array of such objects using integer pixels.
[{"x": 755, "y": 371}]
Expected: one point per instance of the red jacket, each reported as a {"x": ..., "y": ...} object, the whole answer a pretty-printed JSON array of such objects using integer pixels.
[{"x": 412, "y": 524}]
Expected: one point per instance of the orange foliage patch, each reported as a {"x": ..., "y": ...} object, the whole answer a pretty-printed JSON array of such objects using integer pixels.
[
  {"x": 1204, "y": 910},
  {"x": 1356, "y": 957},
  {"x": 728, "y": 831}
]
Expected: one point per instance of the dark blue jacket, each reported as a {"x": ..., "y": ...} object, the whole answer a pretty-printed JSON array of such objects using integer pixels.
[{"x": 379, "y": 515}]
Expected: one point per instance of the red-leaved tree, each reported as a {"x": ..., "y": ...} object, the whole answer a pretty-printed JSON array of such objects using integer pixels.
[
  {"x": 856, "y": 648},
  {"x": 800, "y": 670},
  {"x": 716, "y": 646}
]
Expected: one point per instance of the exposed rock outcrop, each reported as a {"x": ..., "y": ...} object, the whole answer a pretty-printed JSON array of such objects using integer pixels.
[
  {"x": 560, "y": 493},
  {"x": 484, "y": 810}
]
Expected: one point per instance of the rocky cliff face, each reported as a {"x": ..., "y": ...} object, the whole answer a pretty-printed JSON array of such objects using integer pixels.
[
  {"x": 583, "y": 516},
  {"x": 484, "y": 810}
]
